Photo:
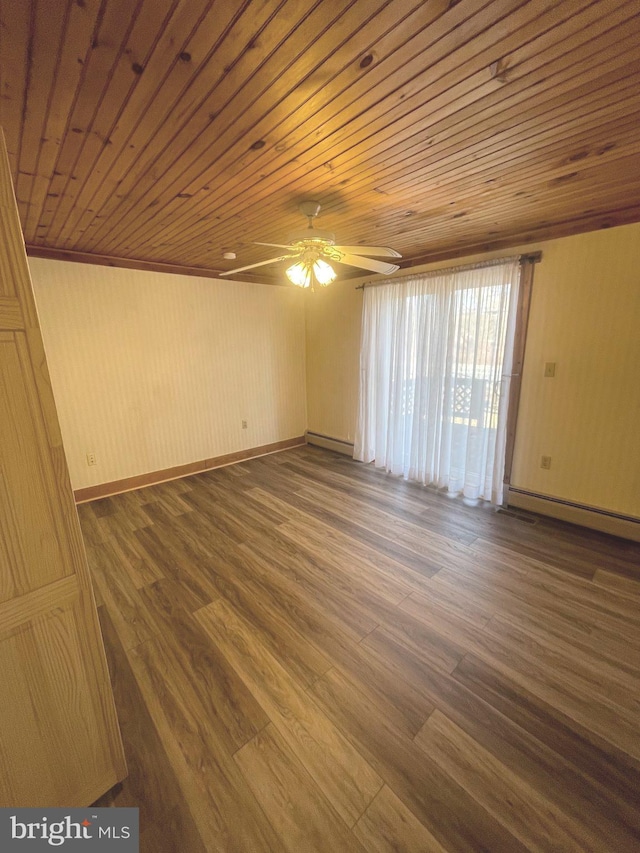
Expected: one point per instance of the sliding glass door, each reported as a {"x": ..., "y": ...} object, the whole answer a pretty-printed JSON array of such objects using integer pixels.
[{"x": 435, "y": 376}]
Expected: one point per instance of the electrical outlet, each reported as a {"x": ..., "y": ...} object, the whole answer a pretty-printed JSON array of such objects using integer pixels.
[
  {"x": 545, "y": 462},
  {"x": 91, "y": 459},
  {"x": 244, "y": 424},
  {"x": 550, "y": 369}
]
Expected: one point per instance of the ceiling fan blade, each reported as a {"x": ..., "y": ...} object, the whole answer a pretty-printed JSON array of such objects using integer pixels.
[
  {"x": 365, "y": 263},
  {"x": 261, "y": 264},
  {"x": 381, "y": 251},
  {"x": 277, "y": 245}
]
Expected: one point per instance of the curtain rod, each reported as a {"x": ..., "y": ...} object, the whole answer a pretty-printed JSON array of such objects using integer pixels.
[{"x": 530, "y": 258}]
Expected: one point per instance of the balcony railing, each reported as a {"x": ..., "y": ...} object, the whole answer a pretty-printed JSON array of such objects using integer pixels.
[{"x": 473, "y": 402}]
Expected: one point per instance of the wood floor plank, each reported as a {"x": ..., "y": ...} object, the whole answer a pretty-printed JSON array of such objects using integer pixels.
[
  {"x": 346, "y": 547},
  {"x": 346, "y": 779},
  {"x": 296, "y": 807},
  {"x": 541, "y": 577},
  {"x": 91, "y": 530},
  {"x": 206, "y": 503},
  {"x": 312, "y": 575},
  {"x": 391, "y": 548},
  {"x": 231, "y": 580},
  {"x": 623, "y": 585},
  {"x": 529, "y": 815},
  {"x": 375, "y": 493},
  {"x": 533, "y": 739},
  {"x": 540, "y": 543},
  {"x": 313, "y": 614},
  {"x": 413, "y": 536},
  {"x": 569, "y": 692},
  {"x": 172, "y": 500},
  {"x": 230, "y": 706},
  {"x": 166, "y": 822},
  {"x": 135, "y": 623},
  {"x": 410, "y": 528},
  {"x": 561, "y": 681},
  {"x": 593, "y": 646},
  {"x": 349, "y": 575},
  {"x": 301, "y": 658},
  {"x": 227, "y": 816},
  {"x": 175, "y": 559},
  {"x": 593, "y": 754},
  {"x": 309, "y": 653},
  {"x": 590, "y": 670},
  {"x": 593, "y": 669},
  {"x": 388, "y": 826},
  {"x": 508, "y": 596},
  {"x": 132, "y": 560},
  {"x": 384, "y": 684},
  {"x": 468, "y": 608},
  {"x": 433, "y": 797},
  {"x": 130, "y": 504},
  {"x": 389, "y": 580}
]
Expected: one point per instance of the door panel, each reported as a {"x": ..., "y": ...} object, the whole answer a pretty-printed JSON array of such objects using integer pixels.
[
  {"x": 59, "y": 738},
  {"x": 29, "y": 524}
]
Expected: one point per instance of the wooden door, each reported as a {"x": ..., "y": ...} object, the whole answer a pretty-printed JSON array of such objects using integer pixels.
[{"x": 59, "y": 738}]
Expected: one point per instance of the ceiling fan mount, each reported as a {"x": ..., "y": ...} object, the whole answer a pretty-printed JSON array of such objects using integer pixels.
[
  {"x": 312, "y": 249},
  {"x": 310, "y": 236},
  {"x": 310, "y": 209}
]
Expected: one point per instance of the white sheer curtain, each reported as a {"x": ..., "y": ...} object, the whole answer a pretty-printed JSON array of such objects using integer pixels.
[{"x": 435, "y": 365}]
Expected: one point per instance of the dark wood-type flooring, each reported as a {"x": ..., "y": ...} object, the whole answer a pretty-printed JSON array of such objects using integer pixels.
[{"x": 311, "y": 655}]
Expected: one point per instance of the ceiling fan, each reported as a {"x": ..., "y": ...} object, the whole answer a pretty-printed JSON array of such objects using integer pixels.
[{"x": 312, "y": 249}]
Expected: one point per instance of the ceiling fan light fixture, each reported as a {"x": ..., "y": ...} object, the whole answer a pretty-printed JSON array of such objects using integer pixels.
[
  {"x": 311, "y": 249},
  {"x": 323, "y": 272},
  {"x": 304, "y": 272},
  {"x": 299, "y": 274}
]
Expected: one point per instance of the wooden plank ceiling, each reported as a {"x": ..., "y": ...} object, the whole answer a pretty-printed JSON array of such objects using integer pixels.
[{"x": 170, "y": 131}]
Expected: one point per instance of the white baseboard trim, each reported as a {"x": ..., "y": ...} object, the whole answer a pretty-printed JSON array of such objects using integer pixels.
[
  {"x": 625, "y": 526},
  {"x": 329, "y": 443}
]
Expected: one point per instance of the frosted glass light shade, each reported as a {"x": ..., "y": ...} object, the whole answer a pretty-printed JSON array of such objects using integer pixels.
[
  {"x": 323, "y": 272},
  {"x": 300, "y": 274}
]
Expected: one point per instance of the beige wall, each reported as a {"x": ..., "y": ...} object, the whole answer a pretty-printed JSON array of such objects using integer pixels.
[
  {"x": 153, "y": 370},
  {"x": 585, "y": 316},
  {"x": 333, "y": 317}
]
